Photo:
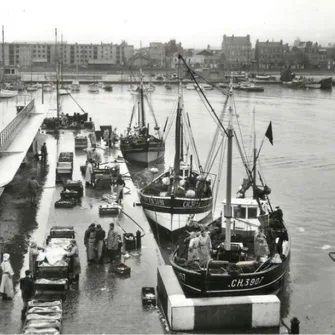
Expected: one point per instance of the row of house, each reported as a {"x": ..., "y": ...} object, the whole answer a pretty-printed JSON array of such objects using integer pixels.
[
  {"x": 25, "y": 54},
  {"x": 235, "y": 53}
]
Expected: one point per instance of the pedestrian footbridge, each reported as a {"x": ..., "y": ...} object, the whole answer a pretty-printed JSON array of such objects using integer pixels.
[{"x": 15, "y": 141}]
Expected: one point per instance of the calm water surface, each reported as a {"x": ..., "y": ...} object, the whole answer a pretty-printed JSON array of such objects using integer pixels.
[{"x": 299, "y": 168}]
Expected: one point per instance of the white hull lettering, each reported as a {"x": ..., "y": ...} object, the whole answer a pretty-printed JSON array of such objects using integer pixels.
[
  {"x": 189, "y": 204},
  {"x": 156, "y": 202},
  {"x": 246, "y": 282}
]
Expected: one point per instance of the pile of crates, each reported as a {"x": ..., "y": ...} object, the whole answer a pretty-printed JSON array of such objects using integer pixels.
[
  {"x": 44, "y": 313},
  {"x": 80, "y": 142},
  {"x": 43, "y": 317},
  {"x": 64, "y": 167},
  {"x": 70, "y": 195}
]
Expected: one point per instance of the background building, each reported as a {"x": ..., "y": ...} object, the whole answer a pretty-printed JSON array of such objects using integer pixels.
[
  {"x": 237, "y": 52},
  {"x": 269, "y": 55}
]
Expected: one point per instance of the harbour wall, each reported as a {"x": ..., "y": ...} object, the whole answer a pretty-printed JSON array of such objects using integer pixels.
[{"x": 244, "y": 312}]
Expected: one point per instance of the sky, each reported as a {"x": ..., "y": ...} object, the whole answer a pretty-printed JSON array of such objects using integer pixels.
[{"x": 195, "y": 24}]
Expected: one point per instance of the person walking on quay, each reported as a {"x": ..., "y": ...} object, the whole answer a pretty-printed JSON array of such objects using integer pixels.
[
  {"x": 89, "y": 172},
  {"x": 120, "y": 184},
  {"x": 33, "y": 254},
  {"x": 6, "y": 287},
  {"x": 112, "y": 243},
  {"x": 44, "y": 153},
  {"x": 33, "y": 186},
  {"x": 119, "y": 232},
  {"x": 90, "y": 241},
  {"x": 27, "y": 288},
  {"x": 73, "y": 253},
  {"x": 100, "y": 238}
]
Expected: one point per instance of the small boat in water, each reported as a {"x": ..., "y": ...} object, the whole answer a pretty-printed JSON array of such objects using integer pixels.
[
  {"x": 75, "y": 86},
  {"x": 168, "y": 87},
  {"x": 93, "y": 88},
  {"x": 248, "y": 87},
  {"x": 108, "y": 88},
  {"x": 245, "y": 251},
  {"x": 138, "y": 145},
  {"x": 4, "y": 93}
]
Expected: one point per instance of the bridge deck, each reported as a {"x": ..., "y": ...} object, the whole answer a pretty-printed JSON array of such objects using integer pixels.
[{"x": 13, "y": 153}]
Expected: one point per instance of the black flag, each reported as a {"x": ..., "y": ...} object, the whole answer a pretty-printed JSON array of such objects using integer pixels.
[{"x": 268, "y": 133}]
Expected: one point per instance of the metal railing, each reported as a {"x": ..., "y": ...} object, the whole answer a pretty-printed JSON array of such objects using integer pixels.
[{"x": 7, "y": 133}]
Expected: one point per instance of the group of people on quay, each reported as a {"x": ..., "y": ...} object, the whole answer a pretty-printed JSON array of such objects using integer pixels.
[{"x": 100, "y": 245}]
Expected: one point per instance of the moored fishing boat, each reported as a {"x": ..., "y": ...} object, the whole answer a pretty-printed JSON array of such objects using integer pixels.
[
  {"x": 326, "y": 83},
  {"x": 249, "y": 247},
  {"x": 138, "y": 145},
  {"x": 183, "y": 191}
]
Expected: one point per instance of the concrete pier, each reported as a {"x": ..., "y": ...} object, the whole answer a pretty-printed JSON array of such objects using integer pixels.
[{"x": 247, "y": 312}]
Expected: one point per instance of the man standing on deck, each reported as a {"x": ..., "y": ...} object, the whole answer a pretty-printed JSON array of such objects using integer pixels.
[{"x": 33, "y": 187}]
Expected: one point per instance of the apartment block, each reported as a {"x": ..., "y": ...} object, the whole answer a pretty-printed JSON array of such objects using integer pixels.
[
  {"x": 269, "y": 54},
  {"x": 26, "y": 54},
  {"x": 237, "y": 52}
]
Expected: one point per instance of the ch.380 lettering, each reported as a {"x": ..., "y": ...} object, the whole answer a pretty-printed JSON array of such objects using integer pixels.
[{"x": 246, "y": 282}]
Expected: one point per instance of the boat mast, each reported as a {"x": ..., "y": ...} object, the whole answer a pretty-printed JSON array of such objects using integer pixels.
[
  {"x": 57, "y": 74},
  {"x": 227, "y": 211},
  {"x": 255, "y": 153},
  {"x": 3, "y": 56},
  {"x": 178, "y": 138},
  {"x": 142, "y": 101}
]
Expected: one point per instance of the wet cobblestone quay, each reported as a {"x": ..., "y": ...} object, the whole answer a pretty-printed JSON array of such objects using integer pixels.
[{"x": 102, "y": 301}]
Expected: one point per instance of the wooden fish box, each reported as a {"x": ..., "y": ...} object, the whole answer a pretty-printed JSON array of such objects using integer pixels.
[
  {"x": 68, "y": 203},
  {"x": 74, "y": 185},
  {"x": 108, "y": 210},
  {"x": 52, "y": 272},
  {"x": 62, "y": 232},
  {"x": 122, "y": 269},
  {"x": 130, "y": 241},
  {"x": 51, "y": 285},
  {"x": 148, "y": 296},
  {"x": 80, "y": 142}
]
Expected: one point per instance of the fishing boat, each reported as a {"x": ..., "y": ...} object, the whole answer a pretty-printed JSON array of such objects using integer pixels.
[
  {"x": 138, "y": 145},
  {"x": 250, "y": 247},
  {"x": 75, "y": 86},
  {"x": 326, "y": 83},
  {"x": 93, "y": 88},
  {"x": 183, "y": 191},
  {"x": 108, "y": 88},
  {"x": 248, "y": 87}
]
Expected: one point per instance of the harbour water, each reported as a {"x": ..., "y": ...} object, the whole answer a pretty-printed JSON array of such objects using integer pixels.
[{"x": 299, "y": 168}]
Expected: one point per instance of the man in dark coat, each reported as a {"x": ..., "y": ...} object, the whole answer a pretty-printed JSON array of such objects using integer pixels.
[
  {"x": 100, "y": 235},
  {"x": 44, "y": 153},
  {"x": 33, "y": 187},
  {"x": 27, "y": 288}
]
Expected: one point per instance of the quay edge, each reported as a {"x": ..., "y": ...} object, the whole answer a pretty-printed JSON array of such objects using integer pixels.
[{"x": 251, "y": 312}]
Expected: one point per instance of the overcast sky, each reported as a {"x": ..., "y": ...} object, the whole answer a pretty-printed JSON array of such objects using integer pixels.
[{"x": 193, "y": 23}]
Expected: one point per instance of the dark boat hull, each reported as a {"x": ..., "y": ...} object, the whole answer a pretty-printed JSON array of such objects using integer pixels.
[
  {"x": 173, "y": 213},
  {"x": 326, "y": 83},
  {"x": 214, "y": 285},
  {"x": 143, "y": 152}
]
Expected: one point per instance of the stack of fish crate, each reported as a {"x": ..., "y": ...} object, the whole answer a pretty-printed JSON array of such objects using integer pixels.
[
  {"x": 53, "y": 271},
  {"x": 43, "y": 317},
  {"x": 64, "y": 167},
  {"x": 71, "y": 194},
  {"x": 80, "y": 142}
]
